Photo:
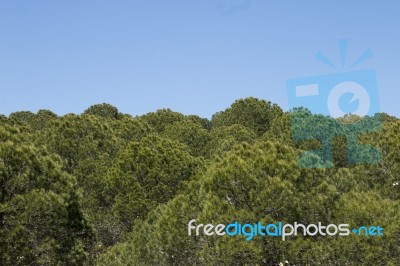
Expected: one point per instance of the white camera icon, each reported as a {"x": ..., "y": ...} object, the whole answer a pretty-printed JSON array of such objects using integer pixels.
[
  {"x": 324, "y": 94},
  {"x": 358, "y": 92},
  {"x": 334, "y": 96}
]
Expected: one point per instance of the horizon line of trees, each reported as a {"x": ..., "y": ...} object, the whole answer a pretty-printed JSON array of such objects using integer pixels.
[{"x": 106, "y": 188}]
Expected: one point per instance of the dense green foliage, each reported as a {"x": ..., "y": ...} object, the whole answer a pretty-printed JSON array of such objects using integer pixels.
[{"x": 105, "y": 188}]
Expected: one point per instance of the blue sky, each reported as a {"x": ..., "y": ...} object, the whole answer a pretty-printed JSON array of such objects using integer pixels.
[{"x": 194, "y": 57}]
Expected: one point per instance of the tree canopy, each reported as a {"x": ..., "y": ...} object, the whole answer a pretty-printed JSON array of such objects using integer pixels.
[{"x": 107, "y": 188}]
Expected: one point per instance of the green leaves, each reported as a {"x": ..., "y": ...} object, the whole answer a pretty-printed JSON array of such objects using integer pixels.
[
  {"x": 145, "y": 174},
  {"x": 255, "y": 114},
  {"x": 159, "y": 165},
  {"x": 103, "y": 110},
  {"x": 40, "y": 219},
  {"x": 190, "y": 133},
  {"x": 105, "y": 188}
]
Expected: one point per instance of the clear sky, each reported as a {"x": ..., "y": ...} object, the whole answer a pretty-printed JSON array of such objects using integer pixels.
[{"x": 194, "y": 57}]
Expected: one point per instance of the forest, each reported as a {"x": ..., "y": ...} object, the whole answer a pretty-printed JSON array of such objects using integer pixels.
[{"x": 107, "y": 188}]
